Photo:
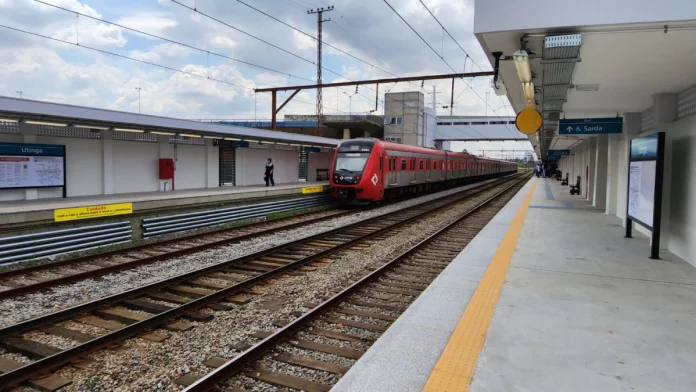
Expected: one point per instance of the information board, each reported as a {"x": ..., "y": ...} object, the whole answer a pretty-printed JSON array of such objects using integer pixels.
[
  {"x": 31, "y": 171},
  {"x": 644, "y": 197},
  {"x": 641, "y": 191}
]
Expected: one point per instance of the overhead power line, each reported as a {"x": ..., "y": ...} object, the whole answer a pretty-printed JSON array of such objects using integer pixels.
[
  {"x": 450, "y": 35},
  {"x": 256, "y": 38},
  {"x": 315, "y": 39},
  {"x": 125, "y": 57},
  {"x": 173, "y": 41},
  {"x": 441, "y": 58}
]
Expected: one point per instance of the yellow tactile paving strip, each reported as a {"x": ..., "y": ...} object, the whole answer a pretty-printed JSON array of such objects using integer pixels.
[{"x": 456, "y": 366}]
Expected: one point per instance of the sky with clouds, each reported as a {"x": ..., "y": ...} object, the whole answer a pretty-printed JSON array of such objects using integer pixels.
[{"x": 215, "y": 87}]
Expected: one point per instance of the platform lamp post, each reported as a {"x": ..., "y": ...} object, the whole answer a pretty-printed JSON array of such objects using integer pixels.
[
  {"x": 138, "y": 88},
  {"x": 350, "y": 102}
]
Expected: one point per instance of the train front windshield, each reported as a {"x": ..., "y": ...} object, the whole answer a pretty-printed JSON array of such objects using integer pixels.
[{"x": 351, "y": 161}]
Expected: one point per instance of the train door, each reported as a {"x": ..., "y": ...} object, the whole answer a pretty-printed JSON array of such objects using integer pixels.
[
  {"x": 413, "y": 170},
  {"x": 392, "y": 171},
  {"x": 428, "y": 166}
]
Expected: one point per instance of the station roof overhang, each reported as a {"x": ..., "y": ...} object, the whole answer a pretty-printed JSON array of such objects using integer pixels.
[
  {"x": 616, "y": 69},
  {"x": 23, "y": 110}
]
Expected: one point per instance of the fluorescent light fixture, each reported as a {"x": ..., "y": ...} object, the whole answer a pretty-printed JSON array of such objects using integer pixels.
[
  {"x": 8, "y": 120},
  {"x": 188, "y": 135},
  {"x": 266, "y": 142},
  {"x": 161, "y": 133},
  {"x": 233, "y": 138},
  {"x": 91, "y": 127},
  {"x": 284, "y": 144},
  {"x": 528, "y": 90},
  {"x": 521, "y": 59},
  {"x": 46, "y": 123},
  {"x": 129, "y": 130},
  {"x": 296, "y": 145},
  {"x": 212, "y": 137}
]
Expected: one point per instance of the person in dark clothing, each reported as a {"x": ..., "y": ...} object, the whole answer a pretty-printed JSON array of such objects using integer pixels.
[{"x": 268, "y": 176}]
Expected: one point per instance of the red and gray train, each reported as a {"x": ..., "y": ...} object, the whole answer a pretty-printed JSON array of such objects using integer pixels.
[{"x": 370, "y": 170}]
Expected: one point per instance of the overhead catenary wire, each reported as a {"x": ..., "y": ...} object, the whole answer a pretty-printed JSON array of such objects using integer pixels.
[
  {"x": 439, "y": 56},
  {"x": 257, "y": 38},
  {"x": 450, "y": 35},
  {"x": 126, "y": 57},
  {"x": 173, "y": 41}
]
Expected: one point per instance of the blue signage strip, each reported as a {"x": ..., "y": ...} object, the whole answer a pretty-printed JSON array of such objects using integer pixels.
[
  {"x": 590, "y": 126},
  {"x": 313, "y": 149},
  {"x": 32, "y": 149},
  {"x": 644, "y": 147},
  {"x": 557, "y": 153}
]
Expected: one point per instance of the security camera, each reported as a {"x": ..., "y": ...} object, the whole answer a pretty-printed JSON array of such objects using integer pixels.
[{"x": 499, "y": 87}]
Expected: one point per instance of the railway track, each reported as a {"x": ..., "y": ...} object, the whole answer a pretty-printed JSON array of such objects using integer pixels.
[
  {"x": 323, "y": 342},
  {"x": 44, "y": 276},
  {"x": 216, "y": 287}
]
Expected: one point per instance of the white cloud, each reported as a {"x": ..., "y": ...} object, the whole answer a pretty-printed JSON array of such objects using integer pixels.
[
  {"x": 361, "y": 27},
  {"x": 225, "y": 42},
  {"x": 162, "y": 53},
  {"x": 155, "y": 23},
  {"x": 303, "y": 42}
]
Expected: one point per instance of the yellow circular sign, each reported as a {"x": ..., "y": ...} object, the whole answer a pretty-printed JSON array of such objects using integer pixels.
[{"x": 529, "y": 121}]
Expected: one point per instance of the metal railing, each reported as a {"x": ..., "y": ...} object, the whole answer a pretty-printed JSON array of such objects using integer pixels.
[
  {"x": 180, "y": 222},
  {"x": 56, "y": 242}
]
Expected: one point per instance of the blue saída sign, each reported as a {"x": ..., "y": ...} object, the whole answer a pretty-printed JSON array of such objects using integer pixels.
[
  {"x": 557, "y": 153},
  {"x": 590, "y": 126}
]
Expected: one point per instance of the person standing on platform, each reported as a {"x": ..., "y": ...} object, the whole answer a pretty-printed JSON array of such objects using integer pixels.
[{"x": 269, "y": 173}]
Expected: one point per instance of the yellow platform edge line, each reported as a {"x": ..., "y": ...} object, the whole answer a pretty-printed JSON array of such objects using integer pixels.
[{"x": 457, "y": 363}]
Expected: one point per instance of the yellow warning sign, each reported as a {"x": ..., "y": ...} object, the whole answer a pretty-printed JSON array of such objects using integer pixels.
[
  {"x": 312, "y": 189},
  {"x": 529, "y": 121},
  {"x": 69, "y": 214}
]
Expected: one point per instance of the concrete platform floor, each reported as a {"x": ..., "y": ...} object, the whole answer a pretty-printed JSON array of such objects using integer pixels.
[
  {"x": 581, "y": 309},
  {"x": 7, "y": 207}
]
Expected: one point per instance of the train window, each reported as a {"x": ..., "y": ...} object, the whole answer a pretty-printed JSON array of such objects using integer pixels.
[
  {"x": 403, "y": 164},
  {"x": 421, "y": 164}
]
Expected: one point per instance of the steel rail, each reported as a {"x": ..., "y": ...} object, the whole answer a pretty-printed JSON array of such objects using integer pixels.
[
  {"x": 237, "y": 364},
  {"x": 145, "y": 260},
  {"x": 56, "y": 360}
]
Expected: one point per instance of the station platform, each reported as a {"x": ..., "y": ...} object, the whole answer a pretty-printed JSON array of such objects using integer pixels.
[
  {"x": 548, "y": 297},
  {"x": 26, "y": 211}
]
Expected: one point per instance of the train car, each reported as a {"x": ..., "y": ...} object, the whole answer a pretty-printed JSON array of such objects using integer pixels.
[{"x": 370, "y": 170}]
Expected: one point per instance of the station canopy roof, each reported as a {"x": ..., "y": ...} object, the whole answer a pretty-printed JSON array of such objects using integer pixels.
[
  {"x": 23, "y": 109},
  {"x": 590, "y": 67}
]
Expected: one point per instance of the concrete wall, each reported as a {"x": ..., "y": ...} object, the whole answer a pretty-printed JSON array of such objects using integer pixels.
[
  {"x": 678, "y": 233},
  {"x": 409, "y": 106},
  {"x": 317, "y": 160},
  {"x": 250, "y": 164},
  {"x": 190, "y": 167},
  {"x": 506, "y": 15},
  {"x": 106, "y": 166},
  {"x": 682, "y": 186},
  {"x": 135, "y": 167}
]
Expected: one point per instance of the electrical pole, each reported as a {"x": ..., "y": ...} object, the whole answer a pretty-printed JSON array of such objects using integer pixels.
[
  {"x": 138, "y": 88},
  {"x": 320, "y": 21},
  {"x": 20, "y": 93}
]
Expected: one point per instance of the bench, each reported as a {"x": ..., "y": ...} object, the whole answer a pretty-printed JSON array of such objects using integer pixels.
[
  {"x": 565, "y": 180},
  {"x": 575, "y": 189}
]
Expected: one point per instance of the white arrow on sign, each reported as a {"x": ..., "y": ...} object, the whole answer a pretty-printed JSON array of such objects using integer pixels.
[{"x": 569, "y": 129}]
